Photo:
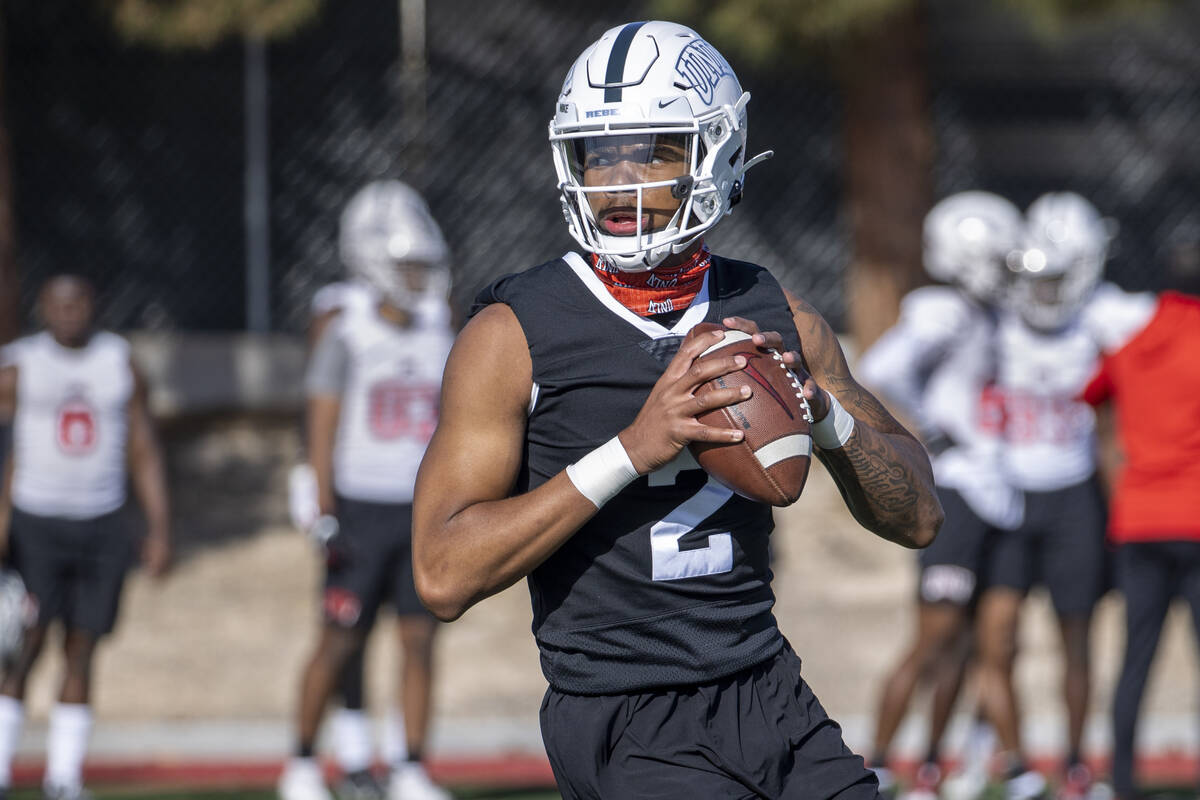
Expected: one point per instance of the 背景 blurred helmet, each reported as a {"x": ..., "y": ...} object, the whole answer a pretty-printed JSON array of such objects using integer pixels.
[
  {"x": 388, "y": 238},
  {"x": 968, "y": 238},
  {"x": 1062, "y": 260},
  {"x": 648, "y": 82}
]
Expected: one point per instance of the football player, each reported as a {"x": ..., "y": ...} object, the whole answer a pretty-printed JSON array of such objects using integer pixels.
[
  {"x": 1153, "y": 382},
  {"x": 561, "y": 453},
  {"x": 373, "y": 387},
  {"x": 81, "y": 427},
  {"x": 937, "y": 368},
  {"x": 1064, "y": 317},
  {"x": 349, "y": 725}
]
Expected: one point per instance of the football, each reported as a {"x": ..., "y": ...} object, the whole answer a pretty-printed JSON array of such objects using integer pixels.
[{"x": 771, "y": 462}]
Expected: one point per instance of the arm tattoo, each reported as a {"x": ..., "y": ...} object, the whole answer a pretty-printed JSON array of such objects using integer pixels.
[
  {"x": 883, "y": 472},
  {"x": 879, "y": 485}
]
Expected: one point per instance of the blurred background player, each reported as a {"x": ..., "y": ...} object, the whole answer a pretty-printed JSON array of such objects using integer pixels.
[
  {"x": 373, "y": 388},
  {"x": 935, "y": 367},
  {"x": 81, "y": 427},
  {"x": 1063, "y": 318},
  {"x": 349, "y": 725},
  {"x": 1153, "y": 381}
]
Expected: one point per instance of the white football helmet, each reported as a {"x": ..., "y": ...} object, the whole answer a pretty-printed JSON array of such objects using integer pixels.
[
  {"x": 969, "y": 238},
  {"x": 1066, "y": 244},
  {"x": 389, "y": 239},
  {"x": 647, "y": 80}
]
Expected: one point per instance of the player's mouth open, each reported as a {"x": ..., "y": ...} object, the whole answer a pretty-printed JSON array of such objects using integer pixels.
[{"x": 624, "y": 222}]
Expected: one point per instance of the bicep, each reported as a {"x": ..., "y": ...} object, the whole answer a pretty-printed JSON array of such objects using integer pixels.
[
  {"x": 141, "y": 426},
  {"x": 826, "y": 362},
  {"x": 475, "y": 453}
]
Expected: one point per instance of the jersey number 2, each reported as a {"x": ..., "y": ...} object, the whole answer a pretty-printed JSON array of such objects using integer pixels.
[{"x": 668, "y": 561}]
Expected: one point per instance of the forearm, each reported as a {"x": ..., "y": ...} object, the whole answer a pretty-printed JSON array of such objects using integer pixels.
[
  {"x": 887, "y": 484},
  {"x": 321, "y": 461},
  {"x": 490, "y": 545},
  {"x": 6, "y": 470},
  {"x": 322, "y": 421},
  {"x": 150, "y": 488}
]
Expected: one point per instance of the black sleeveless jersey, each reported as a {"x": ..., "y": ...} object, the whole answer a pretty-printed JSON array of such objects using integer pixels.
[{"x": 670, "y": 582}]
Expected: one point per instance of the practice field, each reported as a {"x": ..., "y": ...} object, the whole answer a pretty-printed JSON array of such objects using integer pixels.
[
  {"x": 995, "y": 793},
  {"x": 260, "y": 794}
]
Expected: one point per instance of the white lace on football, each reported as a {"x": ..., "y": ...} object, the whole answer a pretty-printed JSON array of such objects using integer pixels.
[{"x": 797, "y": 385}]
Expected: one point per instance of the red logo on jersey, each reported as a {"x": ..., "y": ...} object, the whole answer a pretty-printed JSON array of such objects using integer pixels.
[
  {"x": 76, "y": 428},
  {"x": 399, "y": 409}
]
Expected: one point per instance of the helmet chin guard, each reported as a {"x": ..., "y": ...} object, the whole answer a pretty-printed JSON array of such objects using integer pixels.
[{"x": 653, "y": 78}]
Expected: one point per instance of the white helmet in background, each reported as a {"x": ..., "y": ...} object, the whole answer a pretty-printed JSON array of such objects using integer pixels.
[
  {"x": 1066, "y": 244},
  {"x": 649, "y": 80},
  {"x": 968, "y": 239},
  {"x": 388, "y": 239}
]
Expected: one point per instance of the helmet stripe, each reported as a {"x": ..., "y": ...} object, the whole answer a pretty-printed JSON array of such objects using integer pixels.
[{"x": 615, "y": 72}]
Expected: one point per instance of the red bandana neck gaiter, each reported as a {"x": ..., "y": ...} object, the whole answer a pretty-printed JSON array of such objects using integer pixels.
[{"x": 655, "y": 291}]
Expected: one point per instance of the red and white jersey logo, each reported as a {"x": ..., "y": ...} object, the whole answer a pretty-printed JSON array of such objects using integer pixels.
[
  {"x": 76, "y": 427},
  {"x": 399, "y": 409}
]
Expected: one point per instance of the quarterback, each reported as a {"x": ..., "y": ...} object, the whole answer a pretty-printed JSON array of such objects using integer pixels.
[{"x": 560, "y": 454}]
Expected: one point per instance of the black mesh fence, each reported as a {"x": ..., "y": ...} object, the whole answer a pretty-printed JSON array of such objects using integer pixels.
[{"x": 130, "y": 163}]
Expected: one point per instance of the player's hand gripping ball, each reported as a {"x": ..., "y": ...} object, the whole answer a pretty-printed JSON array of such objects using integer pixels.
[{"x": 770, "y": 463}]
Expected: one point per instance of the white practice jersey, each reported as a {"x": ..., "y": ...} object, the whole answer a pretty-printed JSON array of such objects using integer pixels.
[
  {"x": 935, "y": 365},
  {"x": 348, "y": 297},
  {"x": 389, "y": 379},
  {"x": 71, "y": 426},
  {"x": 1049, "y": 431},
  {"x": 355, "y": 297}
]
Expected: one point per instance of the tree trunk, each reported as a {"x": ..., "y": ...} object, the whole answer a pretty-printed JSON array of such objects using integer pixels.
[
  {"x": 889, "y": 159},
  {"x": 10, "y": 299}
]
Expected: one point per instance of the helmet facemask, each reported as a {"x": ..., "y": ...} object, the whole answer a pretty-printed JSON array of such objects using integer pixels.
[
  {"x": 1050, "y": 291},
  {"x": 651, "y": 83},
  {"x": 404, "y": 283},
  {"x": 389, "y": 240},
  {"x": 970, "y": 241},
  {"x": 1063, "y": 260}
]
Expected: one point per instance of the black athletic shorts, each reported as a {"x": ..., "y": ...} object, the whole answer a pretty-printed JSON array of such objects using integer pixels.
[
  {"x": 1059, "y": 545},
  {"x": 73, "y": 568},
  {"x": 952, "y": 565},
  {"x": 369, "y": 563},
  {"x": 759, "y": 733}
]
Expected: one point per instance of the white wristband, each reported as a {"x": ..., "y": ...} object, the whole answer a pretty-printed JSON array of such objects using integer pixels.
[
  {"x": 603, "y": 472},
  {"x": 834, "y": 430}
]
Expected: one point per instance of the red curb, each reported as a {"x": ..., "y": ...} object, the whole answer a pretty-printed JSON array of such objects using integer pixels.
[
  {"x": 504, "y": 771},
  {"x": 517, "y": 771},
  {"x": 1172, "y": 767}
]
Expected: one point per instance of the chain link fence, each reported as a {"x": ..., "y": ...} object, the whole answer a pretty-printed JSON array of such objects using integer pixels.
[{"x": 130, "y": 164}]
